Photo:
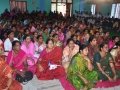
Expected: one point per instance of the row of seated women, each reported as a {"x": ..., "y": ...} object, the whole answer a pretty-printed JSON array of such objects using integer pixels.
[
  {"x": 47, "y": 67},
  {"x": 72, "y": 65},
  {"x": 103, "y": 72}
]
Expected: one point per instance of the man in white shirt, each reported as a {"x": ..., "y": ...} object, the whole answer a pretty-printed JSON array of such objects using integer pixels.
[{"x": 8, "y": 41}]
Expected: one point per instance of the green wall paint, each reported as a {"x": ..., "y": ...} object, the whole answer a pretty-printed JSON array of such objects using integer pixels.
[
  {"x": 32, "y": 4},
  {"x": 4, "y": 4},
  {"x": 46, "y": 5},
  {"x": 105, "y": 8},
  {"x": 76, "y": 6},
  {"x": 87, "y": 6}
]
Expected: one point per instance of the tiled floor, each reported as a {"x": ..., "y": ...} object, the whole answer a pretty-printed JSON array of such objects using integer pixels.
[{"x": 36, "y": 84}]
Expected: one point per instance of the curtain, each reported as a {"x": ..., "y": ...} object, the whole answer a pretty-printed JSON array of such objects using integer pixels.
[
  {"x": 18, "y": 5},
  {"x": 93, "y": 8},
  {"x": 115, "y": 11}
]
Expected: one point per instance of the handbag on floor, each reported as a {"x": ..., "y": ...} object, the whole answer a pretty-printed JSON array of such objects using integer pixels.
[{"x": 28, "y": 76}]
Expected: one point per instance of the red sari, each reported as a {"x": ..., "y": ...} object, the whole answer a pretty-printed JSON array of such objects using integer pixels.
[
  {"x": 17, "y": 60},
  {"x": 4, "y": 71},
  {"x": 54, "y": 57},
  {"x": 117, "y": 60}
]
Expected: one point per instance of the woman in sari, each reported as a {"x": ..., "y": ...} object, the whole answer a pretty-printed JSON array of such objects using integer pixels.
[
  {"x": 50, "y": 67},
  {"x": 104, "y": 65},
  {"x": 39, "y": 45},
  {"x": 80, "y": 71},
  {"x": 69, "y": 51},
  {"x": 112, "y": 42},
  {"x": 92, "y": 47},
  {"x": 35, "y": 36},
  {"x": 56, "y": 40},
  {"x": 6, "y": 80},
  {"x": 17, "y": 59},
  {"x": 2, "y": 53},
  {"x": 61, "y": 35},
  {"x": 45, "y": 34},
  {"x": 29, "y": 48},
  {"x": 115, "y": 52}
]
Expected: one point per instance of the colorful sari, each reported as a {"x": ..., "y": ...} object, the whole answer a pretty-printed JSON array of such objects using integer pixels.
[
  {"x": 4, "y": 71},
  {"x": 78, "y": 66},
  {"x": 18, "y": 60},
  {"x": 105, "y": 63},
  {"x": 39, "y": 49},
  {"x": 58, "y": 44},
  {"x": 67, "y": 55},
  {"x": 92, "y": 50},
  {"x": 45, "y": 37},
  {"x": 111, "y": 44},
  {"x": 54, "y": 58},
  {"x": 99, "y": 40},
  {"x": 31, "y": 59},
  {"x": 61, "y": 36},
  {"x": 116, "y": 57}
]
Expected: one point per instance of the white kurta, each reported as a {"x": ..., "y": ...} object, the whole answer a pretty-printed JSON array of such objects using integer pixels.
[{"x": 8, "y": 44}]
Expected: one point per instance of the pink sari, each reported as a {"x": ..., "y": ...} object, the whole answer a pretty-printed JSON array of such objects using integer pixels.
[
  {"x": 61, "y": 37},
  {"x": 30, "y": 51},
  {"x": 17, "y": 60},
  {"x": 111, "y": 44}
]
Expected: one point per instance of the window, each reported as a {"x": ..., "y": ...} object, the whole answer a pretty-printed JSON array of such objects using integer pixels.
[
  {"x": 18, "y": 5},
  {"x": 62, "y": 1},
  {"x": 12, "y": 4},
  {"x": 115, "y": 11},
  {"x": 93, "y": 7},
  {"x": 63, "y": 6},
  {"x": 21, "y": 5},
  {"x": 53, "y": 7},
  {"x": 69, "y": 1},
  {"x": 53, "y": 0}
]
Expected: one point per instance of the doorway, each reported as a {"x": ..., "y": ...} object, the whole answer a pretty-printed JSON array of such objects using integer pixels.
[{"x": 63, "y": 6}]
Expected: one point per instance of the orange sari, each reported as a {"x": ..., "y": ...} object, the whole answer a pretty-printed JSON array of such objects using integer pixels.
[{"x": 4, "y": 71}]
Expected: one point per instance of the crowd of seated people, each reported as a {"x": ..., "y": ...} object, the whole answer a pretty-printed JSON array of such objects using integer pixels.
[{"x": 79, "y": 53}]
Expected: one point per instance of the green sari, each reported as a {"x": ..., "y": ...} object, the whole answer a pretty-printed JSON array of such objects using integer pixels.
[
  {"x": 105, "y": 63},
  {"x": 79, "y": 65}
]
